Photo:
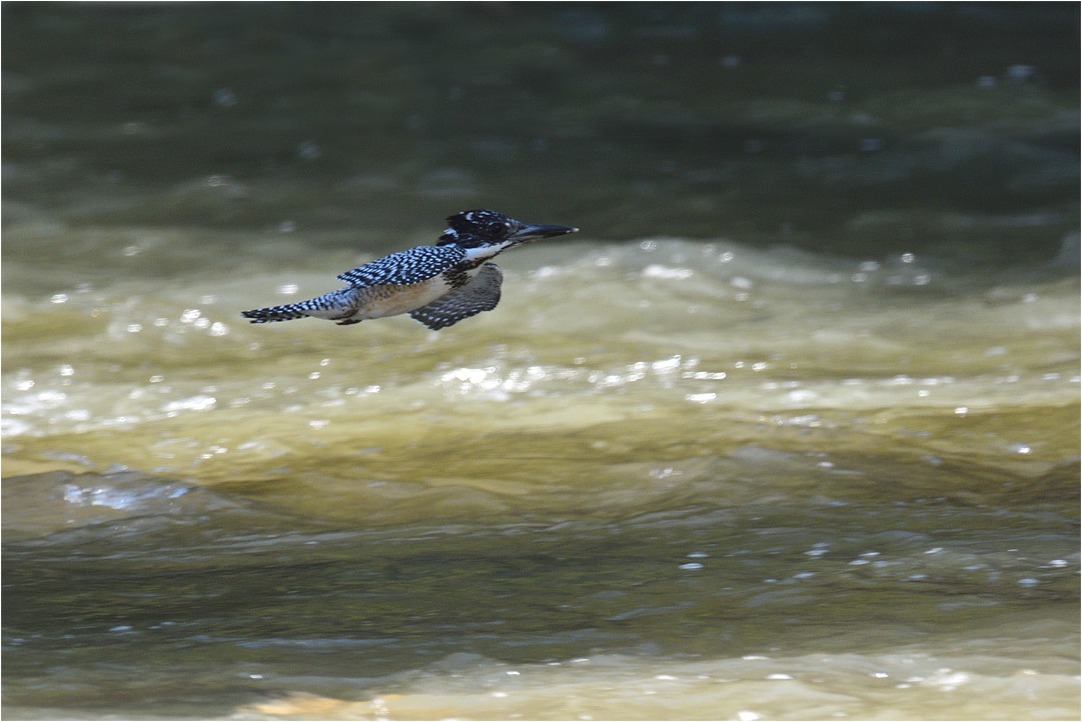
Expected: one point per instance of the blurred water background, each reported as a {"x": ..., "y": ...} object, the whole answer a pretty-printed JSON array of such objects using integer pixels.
[{"x": 790, "y": 430}]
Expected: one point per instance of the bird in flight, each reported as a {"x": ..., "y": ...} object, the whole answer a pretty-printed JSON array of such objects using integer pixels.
[{"x": 437, "y": 285}]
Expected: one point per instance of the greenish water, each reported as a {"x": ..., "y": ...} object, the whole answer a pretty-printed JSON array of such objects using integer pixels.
[{"x": 788, "y": 431}]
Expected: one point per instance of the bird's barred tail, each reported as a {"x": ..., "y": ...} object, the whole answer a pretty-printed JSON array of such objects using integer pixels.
[
  {"x": 335, "y": 306},
  {"x": 276, "y": 313}
]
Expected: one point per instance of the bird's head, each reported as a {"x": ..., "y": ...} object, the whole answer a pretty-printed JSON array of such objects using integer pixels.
[{"x": 480, "y": 228}]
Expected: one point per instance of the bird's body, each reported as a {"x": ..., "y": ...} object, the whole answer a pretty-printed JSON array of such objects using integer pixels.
[{"x": 436, "y": 285}]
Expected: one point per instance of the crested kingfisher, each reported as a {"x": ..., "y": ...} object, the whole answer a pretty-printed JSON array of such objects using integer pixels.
[{"x": 437, "y": 285}]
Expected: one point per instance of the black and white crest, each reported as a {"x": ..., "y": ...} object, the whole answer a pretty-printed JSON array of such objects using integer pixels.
[{"x": 478, "y": 226}]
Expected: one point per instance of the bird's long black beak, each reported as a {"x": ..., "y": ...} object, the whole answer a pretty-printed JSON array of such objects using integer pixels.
[{"x": 532, "y": 232}]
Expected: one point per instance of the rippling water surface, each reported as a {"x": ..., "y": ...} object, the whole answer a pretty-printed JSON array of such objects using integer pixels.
[{"x": 675, "y": 474}]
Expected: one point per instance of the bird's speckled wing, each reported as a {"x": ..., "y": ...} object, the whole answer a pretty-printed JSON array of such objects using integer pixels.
[
  {"x": 405, "y": 267},
  {"x": 482, "y": 293}
]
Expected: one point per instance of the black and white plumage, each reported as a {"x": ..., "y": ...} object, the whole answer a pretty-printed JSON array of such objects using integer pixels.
[{"x": 436, "y": 285}]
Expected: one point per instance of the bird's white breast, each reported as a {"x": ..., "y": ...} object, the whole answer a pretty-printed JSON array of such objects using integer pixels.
[{"x": 391, "y": 300}]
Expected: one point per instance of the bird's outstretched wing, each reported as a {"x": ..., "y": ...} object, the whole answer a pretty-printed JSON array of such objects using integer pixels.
[
  {"x": 405, "y": 267},
  {"x": 482, "y": 293}
]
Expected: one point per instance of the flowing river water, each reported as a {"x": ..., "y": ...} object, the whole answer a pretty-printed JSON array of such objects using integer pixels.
[{"x": 789, "y": 430}]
